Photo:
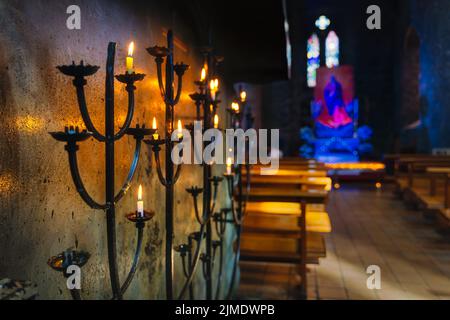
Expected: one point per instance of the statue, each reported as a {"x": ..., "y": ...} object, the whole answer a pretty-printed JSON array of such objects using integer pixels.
[{"x": 333, "y": 115}]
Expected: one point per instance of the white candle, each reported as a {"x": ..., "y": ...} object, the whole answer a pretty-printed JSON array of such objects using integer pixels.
[
  {"x": 130, "y": 60},
  {"x": 140, "y": 203}
]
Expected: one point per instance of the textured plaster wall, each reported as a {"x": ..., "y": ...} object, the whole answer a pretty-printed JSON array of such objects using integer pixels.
[{"x": 41, "y": 213}]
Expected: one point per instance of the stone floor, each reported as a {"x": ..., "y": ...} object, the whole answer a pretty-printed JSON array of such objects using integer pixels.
[{"x": 370, "y": 227}]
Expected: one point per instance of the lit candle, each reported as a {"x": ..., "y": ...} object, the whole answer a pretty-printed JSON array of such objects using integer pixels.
[
  {"x": 216, "y": 122},
  {"x": 243, "y": 96},
  {"x": 180, "y": 130},
  {"x": 235, "y": 107},
  {"x": 130, "y": 60},
  {"x": 212, "y": 87},
  {"x": 140, "y": 204},
  {"x": 155, "y": 127},
  {"x": 203, "y": 75},
  {"x": 229, "y": 164}
]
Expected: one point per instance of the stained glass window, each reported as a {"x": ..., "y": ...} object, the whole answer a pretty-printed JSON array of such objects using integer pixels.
[
  {"x": 332, "y": 50},
  {"x": 313, "y": 55}
]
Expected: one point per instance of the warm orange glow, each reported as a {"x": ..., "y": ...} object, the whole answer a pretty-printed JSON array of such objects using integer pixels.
[
  {"x": 30, "y": 124},
  {"x": 243, "y": 96},
  {"x": 337, "y": 186},
  {"x": 140, "y": 193},
  {"x": 216, "y": 121},
  {"x": 7, "y": 184},
  {"x": 203, "y": 75},
  {"x": 378, "y": 185},
  {"x": 235, "y": 107},
  {"x": 356, "y": 166},
  {"x": 131, "y": 49}
]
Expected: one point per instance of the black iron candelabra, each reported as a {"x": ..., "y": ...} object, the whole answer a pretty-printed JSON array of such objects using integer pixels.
[
  {"x": 172, "y": 174},
  {"x": 235, "y": 186},
  {"x": 73, "y": 136}
]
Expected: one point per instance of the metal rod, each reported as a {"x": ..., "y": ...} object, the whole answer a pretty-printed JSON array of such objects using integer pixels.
[
  {"x": 132, "y": 171},
  {"x": 137, "y": 254},
  {"x": 73, "y": 164},
  {"x": 130, "y": 113},
  {"x": 84, "y": 111},
  {"x": 169, "y": 168},
  {"x": 109, "y": 173}
]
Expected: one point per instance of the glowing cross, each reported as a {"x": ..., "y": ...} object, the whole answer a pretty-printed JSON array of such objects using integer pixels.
[{"x": 323, "y": 23}]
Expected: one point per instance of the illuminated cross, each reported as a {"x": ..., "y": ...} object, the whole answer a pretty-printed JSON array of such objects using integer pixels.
[{"x": 323, "y": 23}]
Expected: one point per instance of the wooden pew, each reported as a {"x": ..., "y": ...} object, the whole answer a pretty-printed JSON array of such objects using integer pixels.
[
  {"x": 300, "y": 182},
  {"x": 410, "y": 168},
  {"x": 280, "y": 243}
]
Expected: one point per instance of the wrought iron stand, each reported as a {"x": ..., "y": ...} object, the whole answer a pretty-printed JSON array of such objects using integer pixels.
[
  {"x": 72, "y": 136},
  {"x": 171, "y": 175}
]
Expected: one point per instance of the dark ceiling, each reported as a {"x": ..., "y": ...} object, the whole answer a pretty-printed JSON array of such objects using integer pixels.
[{"x": 248, "y": 33}]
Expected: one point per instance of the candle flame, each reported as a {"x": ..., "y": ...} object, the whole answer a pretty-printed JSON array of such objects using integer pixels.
[
  {"x": 180, "y": 127},
  {"x": 203, "y": 75},
  {"x": 235, "y": 106},
  {"x": 229, "y": 162},
  {"x": 243, "y": 96},
  {"x": 216, "y": 121},
  {"x": 131, "y": 49},
  {"x": 154, "y": 125},
  {"x": 140, "y": 193}
]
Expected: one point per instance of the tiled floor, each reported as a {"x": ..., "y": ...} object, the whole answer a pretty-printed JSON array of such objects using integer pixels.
[{"x": 370, "y": 227}]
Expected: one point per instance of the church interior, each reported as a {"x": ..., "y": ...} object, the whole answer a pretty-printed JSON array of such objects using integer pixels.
[{"x": 224, "y": 150}]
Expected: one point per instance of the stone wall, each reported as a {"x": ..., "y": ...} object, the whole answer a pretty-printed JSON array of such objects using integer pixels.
[{"x": 41, "y": 213}]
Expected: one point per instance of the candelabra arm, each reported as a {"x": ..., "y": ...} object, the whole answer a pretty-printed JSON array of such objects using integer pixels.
[
  {"x": 215, "y": 192},
  {"x": 195, "y": 262},
  {"x": 219, "y": 277},
  {"x": 194, "y": 192},
  {"x": 72, "y": 150},
  {"x": 236, "y": 262},
  {"x": 204, "y": 260},
  {"x": 158, "y": 167},
  {"x": 183, "y": 262},
  {"x": 197, "y": 211},
  {"x": 133, "y": 167},
  {"x": 137, "y": 255},
  {"x": 179, "y": 89},
  {"x": 130, "y": 114},
  {"x": 159, "y": 61},
  {"x": 230, "y": 182},
  {"x": 177, "y": 174},
  {"x": 79, "y": 84},
  {"x": 221, "y": 222}
]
